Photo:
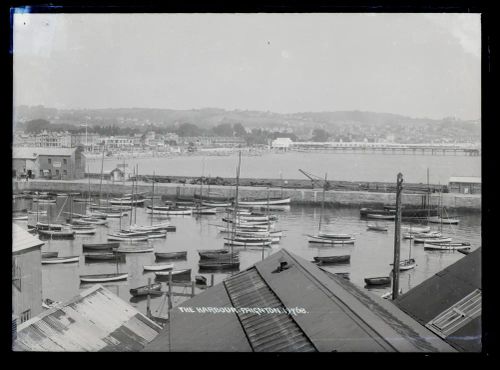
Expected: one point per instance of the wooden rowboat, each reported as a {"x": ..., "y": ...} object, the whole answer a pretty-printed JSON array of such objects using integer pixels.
[
  {"x": 101, "y": 246},
  {"x": 332, "y": 259},
  {"x": 264, "y": 201},
  {"x": 54, "y": 260},
  {"x": 49, "y": 254},
  {"x": 322, "y": 240},
  {"x": 153, "y": 289},
  {"x": 159, "y": 267},
  {"x": 171, "y": 255},
  {"x": 407, "y": 264},
  {"x": 56, "y": 234},
  {"x": 380, "y": 217},
  {"x": 377, "y": 227},
  {"x": 218, "y": 265},
  {"x": 173, "y": 272},
  {"x": 218, "y": 256},
  {"x": 443, "y": 220},
  {"x": 19, "y": 218},
  {"x": 381, "y": 280},
  {"x": 127, "y": 239},
  {"x": 86, "y": 231},
  {"x": 104, "y": 257},
  {"x": 134, "y": 249},
  {"x": 325, "y": 234},
  {"x": 432, "y": 240},
  {"x": 102, "y": 278},
  {"x": 446, "y": 246}
]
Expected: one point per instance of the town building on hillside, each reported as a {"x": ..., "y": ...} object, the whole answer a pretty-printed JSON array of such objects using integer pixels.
[
  {"x": 53, "y": 140},
  {"x": 26, "y": 274},
  {"x": 96, "y": 320},
  {"x": 88, "y": 140},
  {"x": 51, "y": 163},
  {"x": 287, "y": 304},
  {"x": 283, "y": 143},
  {"x": 465, "y": 185}
]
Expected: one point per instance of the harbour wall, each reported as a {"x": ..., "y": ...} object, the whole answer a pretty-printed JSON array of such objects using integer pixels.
[{"x": 298, "y": 196}]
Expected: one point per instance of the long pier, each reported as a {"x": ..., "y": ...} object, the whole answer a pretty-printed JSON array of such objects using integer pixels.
[{"x": 388, "y": 148}]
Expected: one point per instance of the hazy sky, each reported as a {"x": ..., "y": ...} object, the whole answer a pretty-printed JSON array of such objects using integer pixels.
[{"x": 420, "y": 65}]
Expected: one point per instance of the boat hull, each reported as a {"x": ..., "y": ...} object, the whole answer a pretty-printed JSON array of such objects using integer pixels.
[{"x": 102, "y": 278}]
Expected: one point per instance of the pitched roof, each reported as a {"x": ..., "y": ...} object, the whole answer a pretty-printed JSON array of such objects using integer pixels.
[
  {"x": 250, "y": 312},
  {"x": 22, "y": 240},
  {"x": 33, "y": 152},
  {"x": 466, "y": 179},
  {"x": 439, "y": 293},
  {"x": 94, "y": 320}
]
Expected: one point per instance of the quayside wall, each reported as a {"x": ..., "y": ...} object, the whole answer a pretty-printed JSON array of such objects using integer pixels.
[{"x": 298, "y": 196}]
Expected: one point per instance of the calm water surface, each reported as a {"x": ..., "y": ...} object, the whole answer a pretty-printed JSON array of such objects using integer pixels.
[
  {"x": 339, "y": 166},
  {"x": 370, "y": 255}
]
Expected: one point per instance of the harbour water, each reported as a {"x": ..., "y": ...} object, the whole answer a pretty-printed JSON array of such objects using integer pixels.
[
  {"x": 370, "y": 255},
  {"x": 339, "y": 166}
]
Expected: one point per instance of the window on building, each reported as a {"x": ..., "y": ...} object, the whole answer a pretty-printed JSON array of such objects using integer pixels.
[
  {"x": 57, "y": 172},
  {"x": 65, "y": 161},
  {"x": 25, "y": 316},
  {"x": 65, "y": 172},
  {"x": 458, "y": 315},
  {"x": 41, "y": 172},
  {"x": 50, "y": 160}
]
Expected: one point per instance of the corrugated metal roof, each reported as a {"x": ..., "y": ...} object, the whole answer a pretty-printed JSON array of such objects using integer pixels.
[
  {"x": 449, "y": 285},
  {"x": 95, "y": 320},
  {"x": 266, "y": 333},
  {"x": 33, "y": 152},
  {"x": 21, "y": 239},
  {"x": 466, "y": 179}
]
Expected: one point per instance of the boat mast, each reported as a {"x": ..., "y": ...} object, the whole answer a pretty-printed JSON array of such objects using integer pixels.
[
  {"x": 136, "y": 191},
  {"x": 322, "y": 205},
  {"x": 397, "y": 238},
  {"x": 102, "y": 168},
  {"x": 131, "y": 200},
  {"x": 236, "y": 204},
  {"x": 153, "y": 200},
  {"x": 428, "y": 197}
]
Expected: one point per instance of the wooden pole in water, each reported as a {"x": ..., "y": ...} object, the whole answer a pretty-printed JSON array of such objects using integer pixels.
[
  {"x": 397, "y": 238},
  {"x": 192, "y": 288},
  {"x": 136, "y": 191},
  {"x": 148, "y": 307},
  {"x": 169, "y": 292},
  {"x": 212, "y": 280},
  {"x": 153, "y": 200}
]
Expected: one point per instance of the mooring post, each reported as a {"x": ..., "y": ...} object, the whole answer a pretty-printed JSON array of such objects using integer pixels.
[
  {"x": 148, "y": 308},
  {"x": 397, "y": 238},
  {"x": 170, "y": 290}
]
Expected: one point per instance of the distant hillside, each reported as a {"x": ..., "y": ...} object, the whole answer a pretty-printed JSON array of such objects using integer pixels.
[{"x": 340, "y": 125}]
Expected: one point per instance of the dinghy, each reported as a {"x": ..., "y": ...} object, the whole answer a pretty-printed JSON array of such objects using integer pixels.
[
  {"x": 49, "y": 254},
  {"x": 152, "y": 289},
  {"x": 173, "y": 272},
  {"x": 322, "y": 240},
  {"x": 127, "y": 238},
  {"x": 380, "y": 217},
  {"x": 145, "y": 249},
  {"x": 104, "y": 257},
  {"x": 446, "y": 246},
  {"x": 56, "y": 234},
  {"x": 171, "y": 255},
  {"x": 431, "y": 240},
  {"x": 377, "y": 227},
  {"x": 443, "y": 220},
  {"x": 100, "y": 246},
  {"x": 102, "y": 278},
  {"x": 407, "y": 264},
  {"x": 332, "y": 259},
  {"x": 54, "y": 260},
  {"x": 264, "y": 201},
  {"x": 218, "y": 265},
  {"x": 159, "y": 267},
  {"x": 381, "y": 280}
]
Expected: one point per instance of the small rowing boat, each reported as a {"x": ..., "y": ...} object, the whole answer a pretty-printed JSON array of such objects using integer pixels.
[
  {"x": 218, "y": 265},
  {"x": 322, "y": 240},
  {"x": 127, "y": 238},
  {"x": 102, "y": 278},
  {"x": 381, "y": 280},
  {"x": 56, "y": 234},
  {"x": 407, "y": 264},
  {"x": 171, "y": 255},
  {"x": 264, "y": 201},
  {"x": 19, "y": 218},
  {"x": 49, "y": 254},
  {"x": 174, "y": 272},
  {"x": 431, "y": 240},
  {"x": 159, "y": 267},
  {"x": 152, "y": 289},
  {"x": 54, "y": 260},
  {"x": 443, "y": 220},
  {"x": 375, "y": 227},
  {"x": 329, "y": 235},
  {"x": 145, "y": 249},
  {"x": 446, "y": 246},
  {"x": 101, "y": 246},
  {"x": 380, "y": 217},
  {"x": 332, "y": 259}
]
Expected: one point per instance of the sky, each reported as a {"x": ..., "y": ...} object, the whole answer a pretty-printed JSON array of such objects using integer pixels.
[{"x": 418, "y": 65}]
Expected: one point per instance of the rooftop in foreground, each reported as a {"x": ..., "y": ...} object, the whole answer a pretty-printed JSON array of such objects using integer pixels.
[{"x": 299, "y": 308}]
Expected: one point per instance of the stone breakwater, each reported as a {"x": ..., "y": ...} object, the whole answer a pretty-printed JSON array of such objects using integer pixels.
[{"x": 298, "y": 196}]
